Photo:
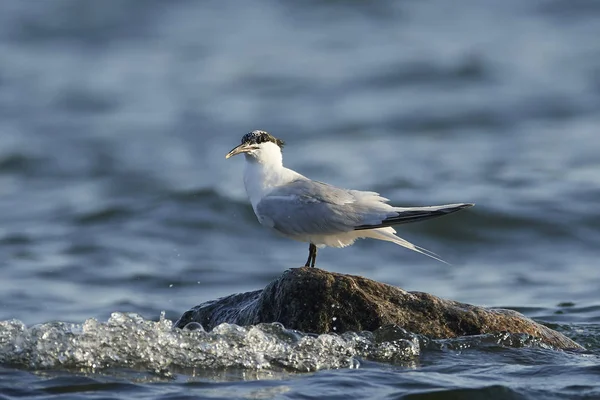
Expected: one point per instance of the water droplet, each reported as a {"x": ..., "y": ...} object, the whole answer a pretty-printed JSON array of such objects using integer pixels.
[{"x": 193, "y": 326}]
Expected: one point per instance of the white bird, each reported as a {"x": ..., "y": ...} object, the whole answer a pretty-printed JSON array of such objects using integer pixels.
[{"x": 318, "y": 213}]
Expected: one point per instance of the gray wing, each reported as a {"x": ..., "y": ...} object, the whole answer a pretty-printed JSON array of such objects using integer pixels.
[{"x": 309, "y": 207}]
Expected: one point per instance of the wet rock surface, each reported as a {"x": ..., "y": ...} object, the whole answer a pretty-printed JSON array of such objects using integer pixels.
[{"x": 317, "y": 301}]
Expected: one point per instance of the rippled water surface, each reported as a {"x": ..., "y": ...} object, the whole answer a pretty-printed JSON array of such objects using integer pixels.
[{"x": 117, "y": 205}]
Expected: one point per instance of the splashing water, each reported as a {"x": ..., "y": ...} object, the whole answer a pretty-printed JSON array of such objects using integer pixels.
[{"x": 129, "y": 341}]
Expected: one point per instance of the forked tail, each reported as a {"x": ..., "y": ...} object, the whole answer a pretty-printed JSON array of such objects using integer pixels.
[
  {"x": 388, "y": 234},
  {"x": 384, "y": 230}
]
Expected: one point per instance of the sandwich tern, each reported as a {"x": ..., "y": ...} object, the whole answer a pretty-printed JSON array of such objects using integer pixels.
[{"x": 315, "y": 212}]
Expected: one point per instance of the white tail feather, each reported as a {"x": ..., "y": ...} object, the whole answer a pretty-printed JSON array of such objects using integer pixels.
[{"x": 388, "y": 234}]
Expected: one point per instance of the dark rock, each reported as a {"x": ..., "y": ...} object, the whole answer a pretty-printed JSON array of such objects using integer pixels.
[{"x": 316, "y": 301}]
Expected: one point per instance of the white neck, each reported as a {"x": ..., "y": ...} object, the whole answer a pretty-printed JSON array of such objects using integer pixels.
[{"x": 264, "y": 170}]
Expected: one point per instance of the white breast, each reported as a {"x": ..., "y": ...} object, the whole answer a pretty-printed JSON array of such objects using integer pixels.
[{"x": 260, "y": 179}]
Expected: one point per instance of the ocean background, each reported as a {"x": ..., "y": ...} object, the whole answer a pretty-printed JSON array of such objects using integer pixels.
[{"x": 118, "y": 210}]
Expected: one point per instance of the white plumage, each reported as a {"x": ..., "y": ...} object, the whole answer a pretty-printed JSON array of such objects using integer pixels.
[{"x": 318, "y": 213}]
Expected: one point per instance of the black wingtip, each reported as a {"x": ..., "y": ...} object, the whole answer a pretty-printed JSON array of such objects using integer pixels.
[
  {"x": 417, "y": 214},
  {"x": 457, "y": 207}
]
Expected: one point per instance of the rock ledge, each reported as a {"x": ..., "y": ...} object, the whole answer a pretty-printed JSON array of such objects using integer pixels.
[{"x": 316, "y": 301}]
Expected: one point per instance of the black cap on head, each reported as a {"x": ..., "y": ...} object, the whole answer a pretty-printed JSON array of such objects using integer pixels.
[{"x": 258, "y": 136}]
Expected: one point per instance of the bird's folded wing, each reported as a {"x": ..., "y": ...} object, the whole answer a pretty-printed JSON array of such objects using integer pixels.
[
  {"x": 310, "y": 207},
  {"x": 414, "y": 214}
]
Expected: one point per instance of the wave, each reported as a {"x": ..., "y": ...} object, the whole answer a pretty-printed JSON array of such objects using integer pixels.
[{"x": 128, "y": 341}]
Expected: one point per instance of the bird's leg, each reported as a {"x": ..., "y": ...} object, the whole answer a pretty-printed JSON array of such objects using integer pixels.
[
  {"x": 314, "y": 260},
  {"x": 312, "y": 255},
  {"x": 309, "y": 255}
]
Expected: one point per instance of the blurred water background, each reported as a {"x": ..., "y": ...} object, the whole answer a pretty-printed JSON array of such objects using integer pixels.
[{"x": 115, "y": 196}]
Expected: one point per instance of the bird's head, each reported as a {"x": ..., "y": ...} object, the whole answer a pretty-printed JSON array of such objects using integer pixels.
[{"x": 260, "y": 146}]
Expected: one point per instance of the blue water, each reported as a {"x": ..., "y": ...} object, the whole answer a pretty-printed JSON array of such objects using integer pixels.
[{"x": 116, "y": 202}]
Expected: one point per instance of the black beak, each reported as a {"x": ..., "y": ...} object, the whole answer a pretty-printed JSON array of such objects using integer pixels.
[{"x": 242, "y": 148}]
